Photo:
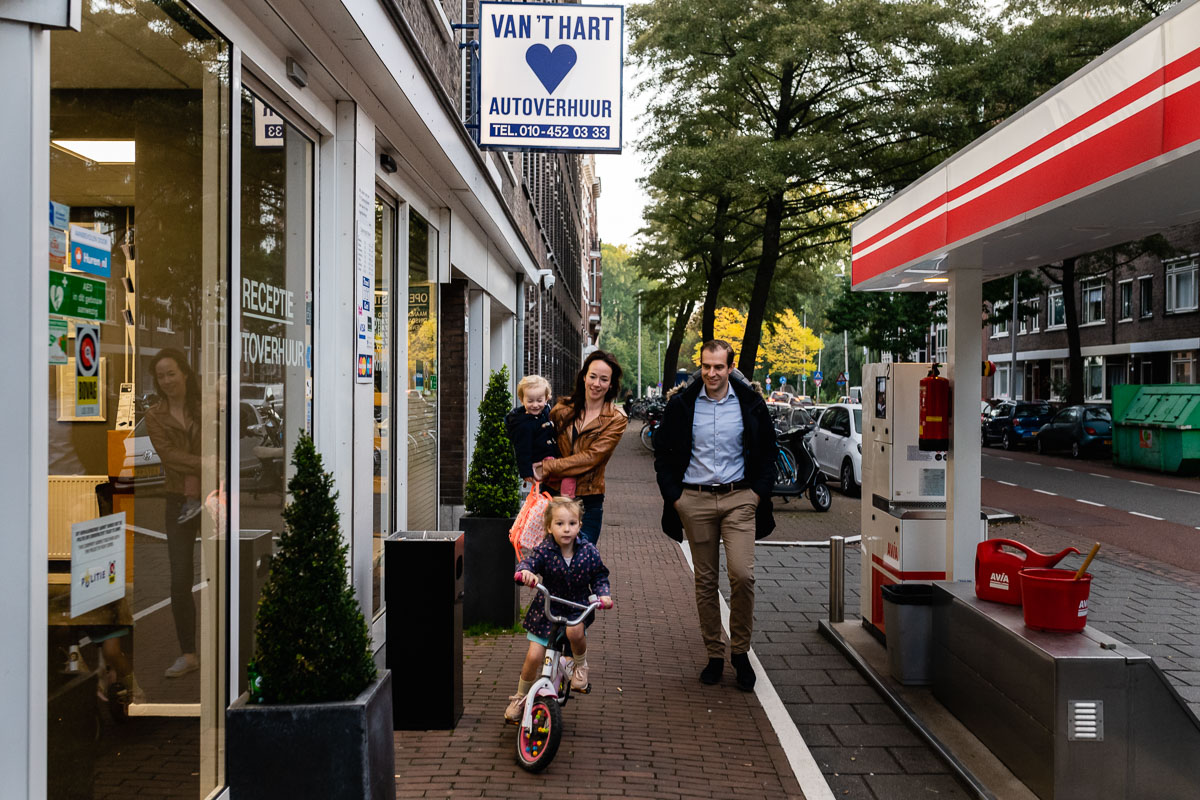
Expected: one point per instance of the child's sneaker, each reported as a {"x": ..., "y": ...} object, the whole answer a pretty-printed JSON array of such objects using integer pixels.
[
  {"x": 189, "y": 511},
  {"x": 512, "y": 714},
  {"x": 579, "y": 678}
]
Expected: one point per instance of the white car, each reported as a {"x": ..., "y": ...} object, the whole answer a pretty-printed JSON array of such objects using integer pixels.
[{"x": 837, "y": 443}]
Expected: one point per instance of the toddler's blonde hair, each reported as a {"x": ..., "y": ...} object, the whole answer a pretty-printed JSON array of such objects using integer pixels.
[
  {"x": 561, "y": 502},
  {"x": 533, "y": 382}
]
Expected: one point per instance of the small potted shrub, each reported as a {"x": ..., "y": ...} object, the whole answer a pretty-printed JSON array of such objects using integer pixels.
[
  {"x": 492, "y": 499},
  {"x": 318, "y": 719}
]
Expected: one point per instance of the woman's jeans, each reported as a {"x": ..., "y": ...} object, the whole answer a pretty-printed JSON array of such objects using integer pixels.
[
  {"x": 181, "y": 552},
  {"x": 593, "y": 517}
]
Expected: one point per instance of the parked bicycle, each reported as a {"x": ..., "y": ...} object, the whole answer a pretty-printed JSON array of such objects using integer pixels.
[
  {"x": 541, "y": 721},
  {"x": 654, "y": 415}
]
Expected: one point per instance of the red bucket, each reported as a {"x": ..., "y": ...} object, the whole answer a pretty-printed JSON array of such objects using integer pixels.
[{"x": 1053, "y": 600}]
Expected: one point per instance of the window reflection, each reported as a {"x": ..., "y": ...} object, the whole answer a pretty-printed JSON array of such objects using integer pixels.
[
  {"x": 139, "y": 133},
  {"x": 385, "y": 260}
]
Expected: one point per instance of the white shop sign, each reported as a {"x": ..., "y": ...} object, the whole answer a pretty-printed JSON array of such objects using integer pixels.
[{"x": 550, "y": 76}]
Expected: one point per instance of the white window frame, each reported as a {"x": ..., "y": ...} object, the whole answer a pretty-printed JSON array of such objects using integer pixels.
[
  {"x": 1181, "y": 358},
  {"x": 1058, "y": 374},
  {"x": 1085, "y": 307},
  {"x": 1145, "y": 282},
  {"x": 1189, "y": 267},
  {"x": 1000, "y": 328},
  {"x": 1122, "y": 287},
  {"x": 1055, "y": 302},
  {"x": 1000, "y": 384},
  {"x": 1090, "y": 363}
]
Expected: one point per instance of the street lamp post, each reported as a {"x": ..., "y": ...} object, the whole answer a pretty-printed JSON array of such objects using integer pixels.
[
  {"x": 660, "y": 364},
  {"x": 639, "y": 391}
]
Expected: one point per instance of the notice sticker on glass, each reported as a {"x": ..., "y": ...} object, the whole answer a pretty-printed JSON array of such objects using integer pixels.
[
  {"x": 97, "y": 562},
  {"x": 58, "y": 341}
]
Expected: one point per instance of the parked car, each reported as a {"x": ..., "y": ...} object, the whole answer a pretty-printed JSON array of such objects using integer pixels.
[
  {"x": 802, "y": 401},
  {"x": 1015, "y": 423},
  {"x": 837, "y": 444},
  {"x": 791, "y": 420},
  {"x": 1080, "y": 429},
  {"x": 985, "y": 408},
  {"x": 782, "y": 398}
]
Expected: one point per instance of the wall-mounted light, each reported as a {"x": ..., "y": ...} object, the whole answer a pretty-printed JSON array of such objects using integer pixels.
[
  {"x": 296, "y": 73},
  {"x": 98, "y": 151},
  {"x": 387, "y": 163},
  {"x": 937, "y": 280}
]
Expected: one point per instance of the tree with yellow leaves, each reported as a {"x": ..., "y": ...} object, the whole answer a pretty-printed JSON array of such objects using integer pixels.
[
  {"x": 728, "y": 324},
  {"x": 790, "y": 347}
]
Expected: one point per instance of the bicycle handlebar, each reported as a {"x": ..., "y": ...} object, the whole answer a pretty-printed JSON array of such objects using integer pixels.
[{"x": 592, "y": 605}]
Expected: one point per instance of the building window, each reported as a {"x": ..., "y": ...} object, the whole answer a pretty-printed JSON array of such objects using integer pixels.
[
  {"x": 1091, "y": 309},
  {"x": 1057, "y": 312},
  {"x": 1093, "y": 378},
  {"x": 1000, "y": 384},
  {"x": 1146, "y": 295},
  {"x": 1182, "y": 286},
  {"x": 1031, "y": 321},
  {"x": 1058, "y": 380},
  {"x": 1000, "y": 323},
  {"x": 1125, "y": 300},
  {"x": 940, "y": 339},
  {"x": 422, "y": 498},
  {"x": 1183, "y": 367}
]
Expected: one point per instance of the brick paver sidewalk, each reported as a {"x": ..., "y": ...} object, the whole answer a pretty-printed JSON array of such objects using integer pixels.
[{"x": 649, "y": 728}]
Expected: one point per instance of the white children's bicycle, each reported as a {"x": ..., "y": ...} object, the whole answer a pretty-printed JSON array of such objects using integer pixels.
[{"x": 541, "y": 718}]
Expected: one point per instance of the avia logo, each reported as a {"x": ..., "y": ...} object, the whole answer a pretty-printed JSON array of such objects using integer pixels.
[
  {"x": 999, "y": 580},
  {"x": 1082, "y": 608},
  {"x": 893, "y": 550}
]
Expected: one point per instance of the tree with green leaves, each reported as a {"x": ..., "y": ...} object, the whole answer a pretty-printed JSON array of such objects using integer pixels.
[
  {"x": 493, "y": 485},
  {"x": 886, "y": 322},
  {"x": 312, "y": 640}
]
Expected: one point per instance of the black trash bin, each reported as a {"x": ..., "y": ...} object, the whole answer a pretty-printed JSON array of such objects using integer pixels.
[
  {"x": 492, "y": 597},
  {"x": 908, "y": 622},
  {"x": 423, "y": 589}
]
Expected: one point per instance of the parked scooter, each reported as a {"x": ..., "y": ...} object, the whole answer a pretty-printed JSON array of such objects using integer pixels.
[{"x": 796, "y": 471}]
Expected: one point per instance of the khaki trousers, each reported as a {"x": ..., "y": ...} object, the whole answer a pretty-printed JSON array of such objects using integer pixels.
[{"x": 708, "y": 520}]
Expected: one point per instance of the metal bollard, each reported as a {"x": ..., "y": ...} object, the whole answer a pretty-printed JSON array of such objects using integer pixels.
[{"x": 837, "y": 559}]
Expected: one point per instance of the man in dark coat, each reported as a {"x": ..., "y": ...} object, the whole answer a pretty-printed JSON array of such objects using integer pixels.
[{"x": 714, "y": 455}]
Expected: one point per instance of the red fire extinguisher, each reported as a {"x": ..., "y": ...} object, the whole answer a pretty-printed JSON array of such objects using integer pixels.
[{"x": 934, "y": 430}]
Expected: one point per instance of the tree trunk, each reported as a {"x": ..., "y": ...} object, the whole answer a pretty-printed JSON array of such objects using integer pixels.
[
  {"x": 772, "y": 221},
  {"x": 716, "y": 270},
  {"x": 678, "y": 329},
  {"x": 1074, "y": 351}
]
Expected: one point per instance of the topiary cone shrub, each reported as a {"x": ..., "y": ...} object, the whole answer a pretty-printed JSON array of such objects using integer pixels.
[
  {"x": 313, "y": 645},
  {"x": 493, "y": 485}
]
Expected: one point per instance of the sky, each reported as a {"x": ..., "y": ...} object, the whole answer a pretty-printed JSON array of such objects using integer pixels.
[{"x": 619, "y": 208}]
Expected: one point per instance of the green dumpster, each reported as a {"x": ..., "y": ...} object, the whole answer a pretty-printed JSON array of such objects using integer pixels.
[{"x": 1157, "y": 427}]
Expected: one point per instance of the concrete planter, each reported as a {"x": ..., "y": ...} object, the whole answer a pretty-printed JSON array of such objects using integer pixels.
[
  {"x": 326, "y": 750},
  {"x": 489, "y": 562}
]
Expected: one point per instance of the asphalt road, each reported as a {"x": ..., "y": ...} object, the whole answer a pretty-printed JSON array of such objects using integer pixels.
[{"x": 1097, "y": 484}]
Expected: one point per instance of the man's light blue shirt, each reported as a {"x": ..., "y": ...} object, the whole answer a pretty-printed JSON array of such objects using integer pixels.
[{"x": 716, "y": 440}]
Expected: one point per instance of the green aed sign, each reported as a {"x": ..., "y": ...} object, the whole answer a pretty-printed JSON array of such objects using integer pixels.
[{"x": 77, "y": 296}]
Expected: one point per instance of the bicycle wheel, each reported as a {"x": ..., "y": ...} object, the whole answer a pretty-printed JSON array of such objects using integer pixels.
[
  {"x": 647, "y": 437},
  {"x": 785, "y": 466},
  {"x": 535, "y": 750}
]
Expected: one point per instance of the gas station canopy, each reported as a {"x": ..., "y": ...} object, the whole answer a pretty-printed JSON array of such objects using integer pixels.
[{"x": 1110, "y": 155}]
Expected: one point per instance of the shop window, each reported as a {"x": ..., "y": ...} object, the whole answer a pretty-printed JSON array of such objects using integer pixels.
[
  {"x": 385, "y": 275},
  {"x": 1146, "y": 296},
  {"x": 422, "y": 375},
  {"x": 276, "y": 327},
  {"x": 1182, "y": 286},
  {"x": 1091, "y": 309},
  {"x": 139, "y": 113},
  {"x": 1125, "y": 300},
  {"x": 1057, "y": 312}
]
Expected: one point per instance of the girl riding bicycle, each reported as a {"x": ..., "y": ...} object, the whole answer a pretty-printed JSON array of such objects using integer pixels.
[{"x": 571, "y": 569}]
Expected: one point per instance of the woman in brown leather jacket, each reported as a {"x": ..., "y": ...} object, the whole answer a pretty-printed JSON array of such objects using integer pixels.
[{"x": 589, "y": 427}]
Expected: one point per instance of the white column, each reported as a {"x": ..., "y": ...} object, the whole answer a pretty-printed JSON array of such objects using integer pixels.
[
  {"x": 479, "y": 359},
  {"x": 963, "y": 309},
  {"x": 24, "y": 173}
]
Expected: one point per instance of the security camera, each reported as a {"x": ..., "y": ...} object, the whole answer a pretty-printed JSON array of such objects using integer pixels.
[{"x": 546, "y": 277}]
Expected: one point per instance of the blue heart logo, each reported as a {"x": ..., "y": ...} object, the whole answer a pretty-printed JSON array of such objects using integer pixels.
[{"x": 551, "y": 67}]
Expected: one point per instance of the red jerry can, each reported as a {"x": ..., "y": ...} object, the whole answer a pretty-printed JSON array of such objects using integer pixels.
[{"x": 997, "y": 570}]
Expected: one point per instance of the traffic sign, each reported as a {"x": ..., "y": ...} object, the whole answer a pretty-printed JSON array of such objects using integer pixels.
[{"x": 841, "y": 379}]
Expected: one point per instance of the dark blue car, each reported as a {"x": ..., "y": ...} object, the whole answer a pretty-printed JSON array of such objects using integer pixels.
[
  {"x": 1015, "y": 423},
  {"x": 1080, "y": 429}
]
